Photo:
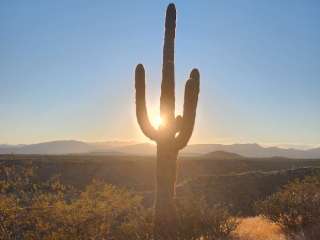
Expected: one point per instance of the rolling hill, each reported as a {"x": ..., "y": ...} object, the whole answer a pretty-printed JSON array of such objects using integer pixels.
[{"x": 221, "y": 155}]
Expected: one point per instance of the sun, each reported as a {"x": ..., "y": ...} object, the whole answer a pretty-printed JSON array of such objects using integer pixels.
[{"x": 158, "y": 121}]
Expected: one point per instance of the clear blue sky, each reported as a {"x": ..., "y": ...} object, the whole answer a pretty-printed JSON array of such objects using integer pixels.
[{"x": 66, "y": 68}]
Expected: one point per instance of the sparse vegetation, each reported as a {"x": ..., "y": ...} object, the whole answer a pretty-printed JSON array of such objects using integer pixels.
[
  {"x": 198, "y": 220},
  {"x": 296, "y": 208},
  {"x": 34, "y": 207},
  {"x": 50, "y": 210},
  {"x": 258, "y": 228}
]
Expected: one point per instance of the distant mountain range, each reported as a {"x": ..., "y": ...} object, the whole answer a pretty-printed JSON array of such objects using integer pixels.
[
  {"x": 134, "y": 148},
  {"x": 221, "y": 155},
  {"x": 253, "y": 150}
]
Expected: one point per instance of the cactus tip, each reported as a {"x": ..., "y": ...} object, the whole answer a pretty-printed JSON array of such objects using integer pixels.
[
  {"x": 195, "y": 74},
  {"x": 171, "y": 7},
  {"x": 171, "y": 12},
  {"x": 139, "y": 68}
]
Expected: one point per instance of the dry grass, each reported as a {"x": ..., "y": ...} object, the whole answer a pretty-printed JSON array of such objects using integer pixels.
[{"x": 258, "y": 228}]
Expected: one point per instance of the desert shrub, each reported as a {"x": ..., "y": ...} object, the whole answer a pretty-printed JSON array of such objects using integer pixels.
[
  {"x": 103, "y": 211},
  {"x": 23, "y": 202},
  {"x": 296, "y": 207},
  {"x": 50, "y": 210},
  {"x": 258, "y": 228},
  {"x": 198, "y": 220},
  {"x": 31, "y": 210}
]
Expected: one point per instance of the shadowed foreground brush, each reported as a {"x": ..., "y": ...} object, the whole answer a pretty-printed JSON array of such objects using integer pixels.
[
  {"x": 296, "y": 208},
  {"x": 173, "y": 134},
  {"x": 100, "y": 212}
]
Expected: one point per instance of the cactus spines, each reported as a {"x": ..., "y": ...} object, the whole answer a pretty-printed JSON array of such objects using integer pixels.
[{"x": 171, "y": 136}]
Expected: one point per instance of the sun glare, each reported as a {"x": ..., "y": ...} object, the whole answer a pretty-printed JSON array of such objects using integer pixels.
[{"x": 157, "y": 121}]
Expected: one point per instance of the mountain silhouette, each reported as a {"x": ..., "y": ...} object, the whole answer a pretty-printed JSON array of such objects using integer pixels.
[
  {"x": 134, "y": 148},
  {"x": 221, "y": 155}
]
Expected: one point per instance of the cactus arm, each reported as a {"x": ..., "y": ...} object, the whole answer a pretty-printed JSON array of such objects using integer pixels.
[
  {"x": 167, "y": 98},
  {"x": 141, "y": 106},
  {"x": 189, "y": 109}
]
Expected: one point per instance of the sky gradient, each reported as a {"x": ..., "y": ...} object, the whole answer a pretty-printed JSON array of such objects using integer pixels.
[{"x": 66, "y": 69}]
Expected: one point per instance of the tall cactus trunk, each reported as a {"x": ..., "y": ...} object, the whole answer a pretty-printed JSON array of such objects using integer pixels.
[
  {"x": 165, "y": 219},
  {"x": 173, "y": 135}
]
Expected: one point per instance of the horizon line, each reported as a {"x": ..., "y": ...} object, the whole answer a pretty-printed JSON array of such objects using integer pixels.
[{"x": 299, "y": 146}]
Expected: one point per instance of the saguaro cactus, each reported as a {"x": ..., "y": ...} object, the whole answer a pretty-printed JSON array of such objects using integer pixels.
[{"x": 173, "y": 134}]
